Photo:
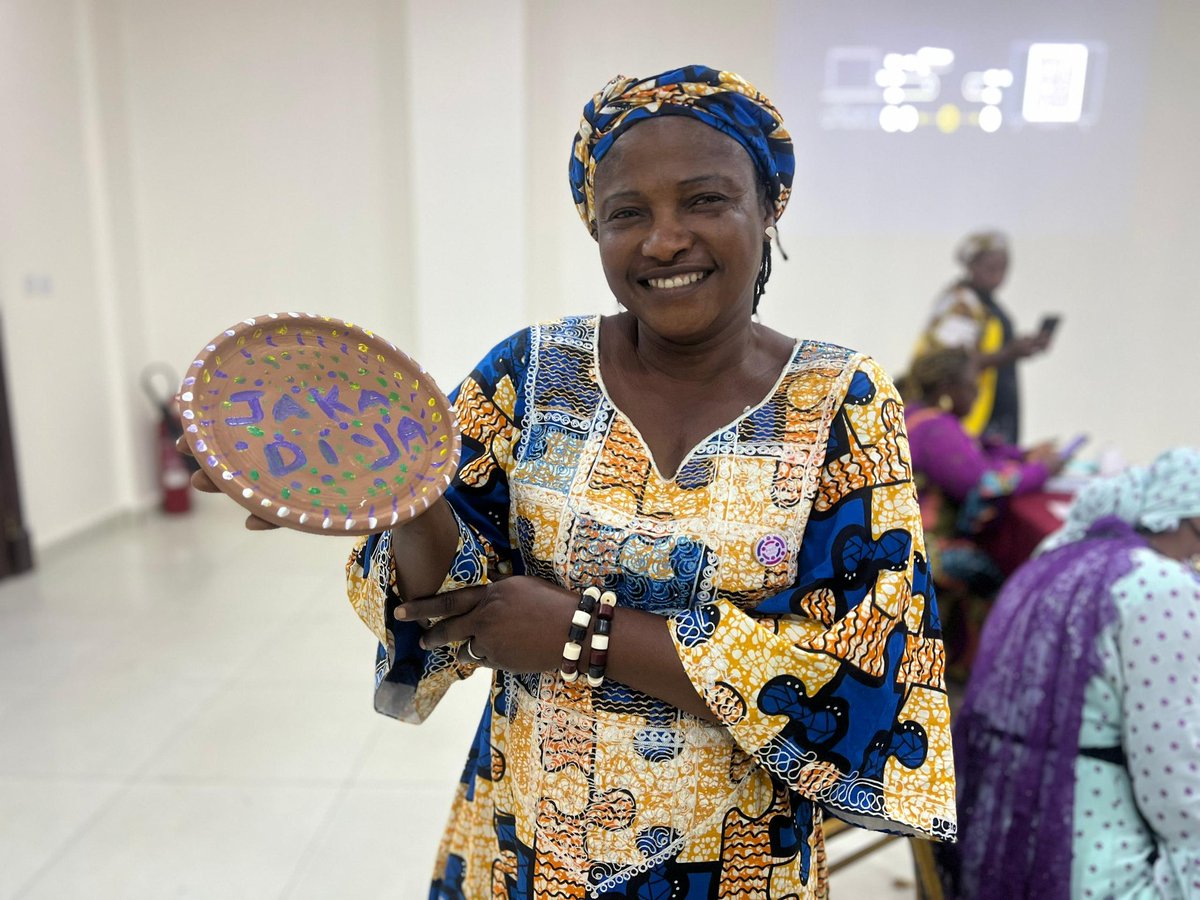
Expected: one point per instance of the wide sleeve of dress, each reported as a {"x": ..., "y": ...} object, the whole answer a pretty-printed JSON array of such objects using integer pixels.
[
  {"x": 836, "y": 685},
  {"x": 409, "y": 680}
]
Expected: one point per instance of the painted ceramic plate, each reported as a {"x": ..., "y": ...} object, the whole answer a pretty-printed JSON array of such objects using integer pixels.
[{"x": 318, "y": 424}]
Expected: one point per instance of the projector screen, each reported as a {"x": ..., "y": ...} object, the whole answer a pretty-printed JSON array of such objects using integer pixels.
[{"x": 944, "y": 116}]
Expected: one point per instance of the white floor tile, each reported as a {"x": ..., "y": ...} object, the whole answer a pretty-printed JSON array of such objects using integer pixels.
[
  {"x": 160, "y": 841},
  {"x": 185, "y": 710},
  {"x": 106, "y": 728},
  {"x": 885, "y": 874},
  {"x": 39, "y": 815},
  {"x": 379, "y": 843},
  {"x": 433, "y": 752},
  {"x": 317, "y": 650},
  {"x": 268, "y": 734},
  {"x": 40, "y": 646}
]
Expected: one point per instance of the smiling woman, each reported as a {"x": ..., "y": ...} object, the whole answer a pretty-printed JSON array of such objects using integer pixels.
[
  {"x": 680, "y": 226},
  {"x": 715, "y": 523},
  {"x": 689, "y": 231}
]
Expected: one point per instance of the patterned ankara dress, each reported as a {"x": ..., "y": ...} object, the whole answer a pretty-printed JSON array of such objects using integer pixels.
[{"x": 787, "y": 556}]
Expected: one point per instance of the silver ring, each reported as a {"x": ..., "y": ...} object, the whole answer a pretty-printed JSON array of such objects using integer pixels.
[{"x": 471, "y": 653}]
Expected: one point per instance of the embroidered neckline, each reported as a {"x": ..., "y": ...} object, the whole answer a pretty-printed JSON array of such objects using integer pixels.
[{"x": 786, "y": 370}]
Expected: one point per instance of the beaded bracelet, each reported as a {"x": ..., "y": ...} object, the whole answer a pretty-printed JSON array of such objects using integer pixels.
[
  {"x": 569, "y": 667},
  {"x": 598, "y": 661}
]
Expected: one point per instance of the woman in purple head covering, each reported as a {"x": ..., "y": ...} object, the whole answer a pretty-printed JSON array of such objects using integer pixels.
[{"x": 1078, "y": 745}]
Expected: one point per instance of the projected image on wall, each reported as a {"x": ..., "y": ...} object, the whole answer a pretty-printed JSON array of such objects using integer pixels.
[
  {"x": 947, "y": 115},
  {"x": 932, "y": 87}
]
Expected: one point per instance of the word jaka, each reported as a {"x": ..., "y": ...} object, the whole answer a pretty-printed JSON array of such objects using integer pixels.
[{"x": 406, "y": 432}]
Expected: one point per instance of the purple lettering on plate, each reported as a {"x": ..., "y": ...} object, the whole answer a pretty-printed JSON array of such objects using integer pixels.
[
  {"x": 275, "y": 461},
  {"x": 393, "y": 453},
  {"x": 253, "y": 399},
  {"x": 285, "y": 407},
  {"x": 330, "y": 405},
  {"x": 410, "y": 428},
  {"x": 369, "y": 398}
]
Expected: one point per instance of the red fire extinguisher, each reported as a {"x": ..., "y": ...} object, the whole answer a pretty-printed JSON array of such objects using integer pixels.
[{"x": 174, "y": 471}]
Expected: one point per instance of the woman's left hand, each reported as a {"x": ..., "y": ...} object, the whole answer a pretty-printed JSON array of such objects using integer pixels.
[{"x": 518, "y": 624}]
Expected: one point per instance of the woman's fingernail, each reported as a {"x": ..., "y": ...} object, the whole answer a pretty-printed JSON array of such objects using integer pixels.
[
  {"x": 400, "y": 613},
  {"x": 421, "y": 643}
]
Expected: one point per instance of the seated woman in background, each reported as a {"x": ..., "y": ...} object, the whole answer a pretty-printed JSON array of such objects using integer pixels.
[
  {"x": 961, "y": 480},
  {"x": 1078, "y": 746}
]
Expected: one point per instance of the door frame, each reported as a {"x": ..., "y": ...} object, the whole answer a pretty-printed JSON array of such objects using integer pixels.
[{"x": 16, "y": 552}]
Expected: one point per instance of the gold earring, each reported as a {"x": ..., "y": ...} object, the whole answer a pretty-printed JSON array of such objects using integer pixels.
[{"x": 945, "y": 403}]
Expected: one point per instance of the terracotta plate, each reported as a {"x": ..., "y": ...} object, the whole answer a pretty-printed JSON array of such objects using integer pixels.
[{"x": 318, "y": 424}]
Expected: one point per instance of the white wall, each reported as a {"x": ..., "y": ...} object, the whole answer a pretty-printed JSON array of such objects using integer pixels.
[
  {"x": 176, "y": 165},
  {"x": 266, "y": 176},
  {"x": 62, "y": 342},
  {"x": 574, "y": 50},
  {"x": 467, "y": 76}
]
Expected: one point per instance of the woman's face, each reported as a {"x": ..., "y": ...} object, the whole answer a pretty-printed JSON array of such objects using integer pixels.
[
  {"x": 1192, "y": 557},
  {"x": 962, "y": 391},
  {"x": 680, "y": 227},
  {"x": 987, "y": 271}
]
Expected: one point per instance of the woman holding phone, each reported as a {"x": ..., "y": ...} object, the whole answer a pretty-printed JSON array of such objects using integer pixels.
[{"x": 968, "y": 315}]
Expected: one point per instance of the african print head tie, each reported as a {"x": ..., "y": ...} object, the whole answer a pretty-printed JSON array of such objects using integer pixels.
[
  {"x": 722, "y": 100},
  {"x": 975, "y": 245},
  {"x": 1157, "y": 498}
]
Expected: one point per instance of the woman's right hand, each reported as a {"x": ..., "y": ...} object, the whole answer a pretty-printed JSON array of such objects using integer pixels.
[
  {"x": 202, "y": 482},
  {"x": 1047, "y": 454},
  {"x": 1027, "y": 346}
]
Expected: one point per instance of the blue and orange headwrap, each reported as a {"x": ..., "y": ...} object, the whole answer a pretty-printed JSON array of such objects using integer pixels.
[{"x": 722, "y": 100}]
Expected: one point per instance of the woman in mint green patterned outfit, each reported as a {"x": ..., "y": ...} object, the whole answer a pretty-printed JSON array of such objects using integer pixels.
[{"x": 1078, "y": 746}]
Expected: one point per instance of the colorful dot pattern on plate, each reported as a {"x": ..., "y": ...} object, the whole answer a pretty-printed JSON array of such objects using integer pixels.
[{"x": 318, "y": 424}]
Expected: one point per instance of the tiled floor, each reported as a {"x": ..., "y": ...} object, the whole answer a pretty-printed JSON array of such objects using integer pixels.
[{"x": 185, "y": 711}]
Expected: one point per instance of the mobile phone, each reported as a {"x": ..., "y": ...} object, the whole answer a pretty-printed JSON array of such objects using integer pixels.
[
  {"x": 1048, "y": 326},
  {"x": 1072, "y": 446}
]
